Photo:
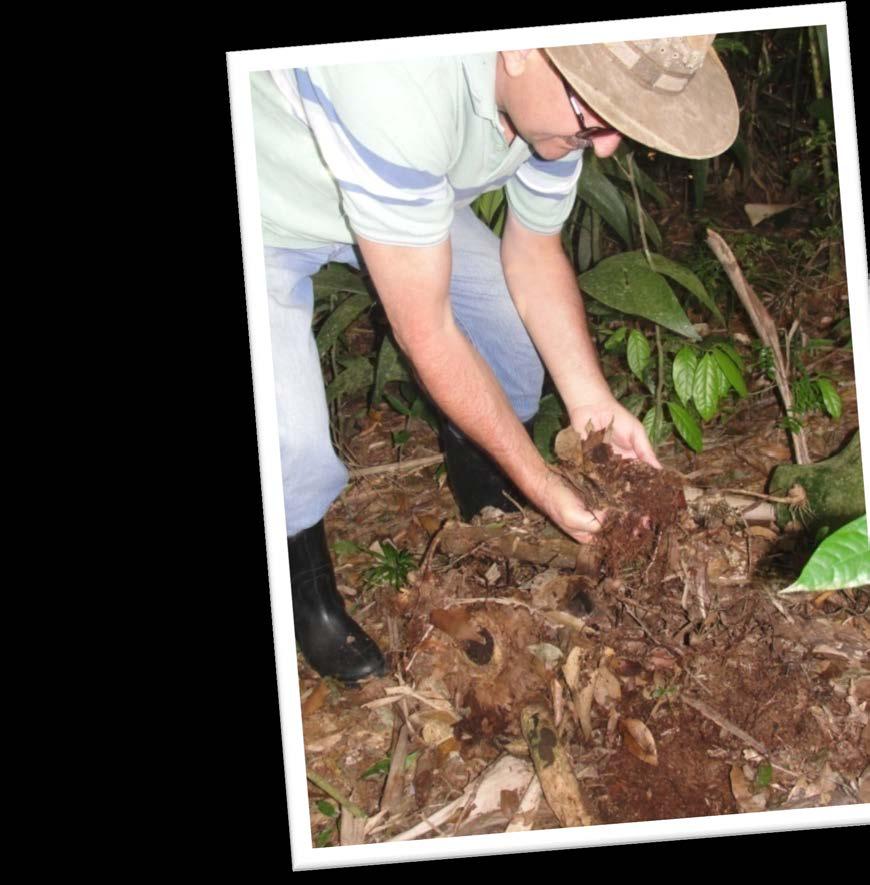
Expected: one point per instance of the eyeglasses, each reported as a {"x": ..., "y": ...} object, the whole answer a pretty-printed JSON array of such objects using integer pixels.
[{"x": 583, "y": 137}]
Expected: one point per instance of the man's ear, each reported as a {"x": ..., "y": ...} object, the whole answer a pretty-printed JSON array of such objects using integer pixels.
[{"x": 514, "y": 61}]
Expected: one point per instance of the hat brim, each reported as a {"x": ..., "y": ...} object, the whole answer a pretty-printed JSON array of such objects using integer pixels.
[{"x": 700, "y": 122}]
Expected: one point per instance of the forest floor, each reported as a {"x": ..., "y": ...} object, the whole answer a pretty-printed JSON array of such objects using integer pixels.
[{"x": 669, "y": 674}]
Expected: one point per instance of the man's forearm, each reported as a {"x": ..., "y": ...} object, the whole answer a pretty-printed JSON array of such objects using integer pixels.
[
  {"x": 544, "y": 288},
  {"x": 414, "y": 287}
]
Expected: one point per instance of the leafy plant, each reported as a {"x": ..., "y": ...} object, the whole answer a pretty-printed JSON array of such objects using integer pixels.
[
  {"x": 841, "y": 561},
  {"x": 391, "y": 566}
]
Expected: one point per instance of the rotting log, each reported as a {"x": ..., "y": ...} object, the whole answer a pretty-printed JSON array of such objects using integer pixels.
[
  {"x": 553, "y": 765},
  {"x": 834, "y": 489},
  {"x": 457, "y": 539}
]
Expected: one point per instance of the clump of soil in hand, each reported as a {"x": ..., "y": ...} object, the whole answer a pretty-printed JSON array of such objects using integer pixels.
[{"x": 643, "y": 504}]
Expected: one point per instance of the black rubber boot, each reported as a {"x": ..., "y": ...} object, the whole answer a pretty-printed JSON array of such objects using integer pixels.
[
  {"x": 332, "y": 642},
  {"x": 477, "y": 482}
]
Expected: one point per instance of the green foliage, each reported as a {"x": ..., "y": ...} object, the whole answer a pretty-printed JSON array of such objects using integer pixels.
[
  {"x": 686, "y": 426},
  {"x": 327, "y": 808},
  {"x": 638, "y": 353},
  {"x": 700, "y": 376},
  {"x": 841, "y": 561},
  {"x": 630, "y": 286},
  {"x": 324, "y": 837},
  {"x": 383, "y": 766},
  {"x": 357, "y": 376},
  {"x": 340, "y": 319},
  {"x": 764, "y": 775},
  {"x": 346, "y": 548},
  {"x": 548, "y": 423},
  {"x": 390, "y": 366},
  {"x": 391, "y": 566}
]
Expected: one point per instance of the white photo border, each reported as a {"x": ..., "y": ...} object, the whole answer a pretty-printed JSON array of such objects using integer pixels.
[{"x": 240, "y": 65}]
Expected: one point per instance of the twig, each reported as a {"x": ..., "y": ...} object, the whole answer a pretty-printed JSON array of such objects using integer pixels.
[
  {"x": 766, "y": 328},
  {"x": 330, "y": 790},
  {"x": 395, "y": 784},
  {"x": 391, "y": 468},
  {"x": 722, "y": 722},
  {"x": 796, "y": 500}
]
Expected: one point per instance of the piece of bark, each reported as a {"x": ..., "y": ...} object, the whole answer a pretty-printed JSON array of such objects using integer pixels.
[
  {"x": 767, "y": 331},
  {"x": 834, "y": 488},
  {"x": 524, "y": 819},
  {"x": 395, "y": 785},
  {"x": 481, "y": 797},
  {"x": 351, "y": 828},
  {"x": 561, "y": 788},
  {"x": 458, "y": 539}
]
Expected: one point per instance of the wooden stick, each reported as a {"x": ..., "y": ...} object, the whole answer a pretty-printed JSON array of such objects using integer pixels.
[
  {"x": 395, "y": 784},
  {"x": 331, "y": 791},
  {"x": 553, "y": 764},
  {"x": 766, "y": 328},
  {"x": 400, "y": 465},
  {"x": 722, "y": 722}
]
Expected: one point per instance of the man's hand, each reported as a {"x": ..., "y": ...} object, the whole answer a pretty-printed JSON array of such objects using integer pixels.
[
  {"x": 628, "y": 438},
  {"x": 565, "y": 508}
]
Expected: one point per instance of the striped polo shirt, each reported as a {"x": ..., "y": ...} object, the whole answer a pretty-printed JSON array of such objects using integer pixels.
[{"x": 389, "y": 151}]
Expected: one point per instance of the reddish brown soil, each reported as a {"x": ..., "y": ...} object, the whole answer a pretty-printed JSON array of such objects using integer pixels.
[{"x": 734, "y": 684}]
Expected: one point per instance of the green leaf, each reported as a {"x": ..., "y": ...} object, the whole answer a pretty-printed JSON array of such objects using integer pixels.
[
  {"x": 345, "y": 548},
  {"x": 356, "y": 377},
  {"x": 686, "y": 426},
  {"x": 731, "y": 350},
  {"x": 841, "y": 561},
  {"x": 649, "y": 226},
  {"x": 400, "y": 437},
  {"x": 655, "y": 416},
  {"x": 730, "y": 371},
  {"x": 616, "y": 338},
  {"x": 699, "y": 180},
  {"x": 705, "y": 390},
  {"x": 327, "y": 808},
  {"x": 488, "y": 204},
  {"x": 764, "y": 774},
  {"x": 324, "y": 837},
  {"x": 390, "y": 367},
  {"x": 397, "y": 404},
  {"x": 830, "y": 397},
  {"x": 624, "y": 283},
  {"x": 634, "y": 402},
  {"x": 641, "y": 179},
  {"x": 687, "y": 279},
  {"x": 335, "y": 278},
  {"x": 584, "y": 241},
  {"x": 340, "y": 319},
  {"x": 420, "y": 409},
  {"x": 548, "y": 423},
  {"x": 741, "y": 153},
  {"x": 600, "y": 194},
  {"x": 382, "y": 767},
  {"x": 821, "y": 34},
  {"x": 685, "y": 364},
  {"x": 638, "y": 353}
]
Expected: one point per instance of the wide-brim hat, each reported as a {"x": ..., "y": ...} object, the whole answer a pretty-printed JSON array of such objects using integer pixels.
[{"x": 672, "y": 94}]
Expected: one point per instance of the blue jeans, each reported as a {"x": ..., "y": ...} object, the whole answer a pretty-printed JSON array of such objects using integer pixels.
[{"x": 482, "y": 307}]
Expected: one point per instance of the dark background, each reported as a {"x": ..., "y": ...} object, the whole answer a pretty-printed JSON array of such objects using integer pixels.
[{"x": 249, "y": 781}]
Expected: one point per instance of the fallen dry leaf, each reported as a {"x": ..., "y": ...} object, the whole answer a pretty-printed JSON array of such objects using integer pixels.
[
  {"x": 747, "y": 801},
  {"x": 760, "y": 531},
  {"x": 607, "y": 689},
  {"x": 316, "y": 699},
  {"x": 456, "y": 623},
  {"x": 775, "y": 451},
  {"x": 639, "y": 741}
]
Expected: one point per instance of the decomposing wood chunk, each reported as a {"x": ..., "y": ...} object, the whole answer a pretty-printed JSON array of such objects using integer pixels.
[
  {"x": 553, "y": 765},
  {"x": 834, "y": 489}
]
